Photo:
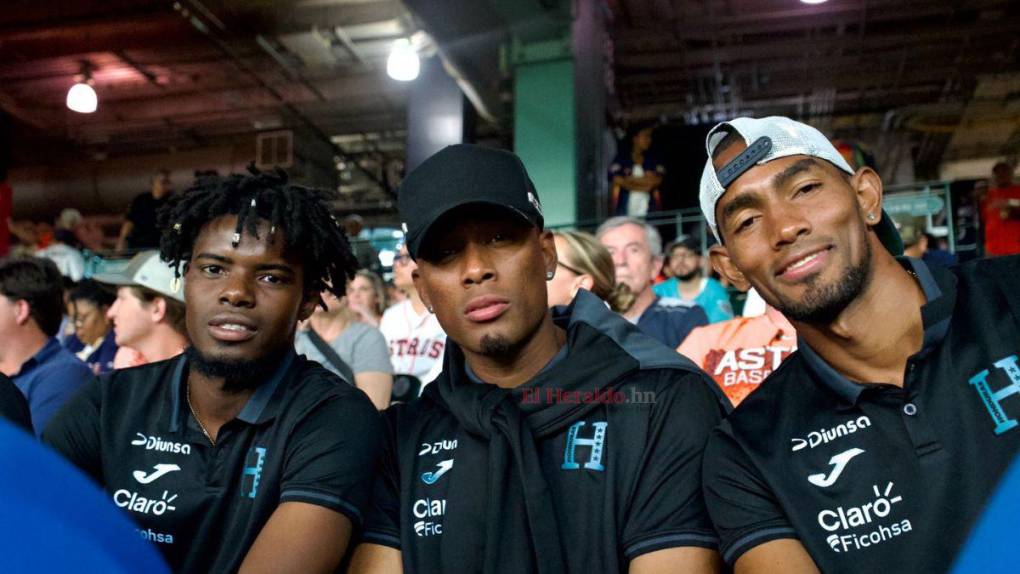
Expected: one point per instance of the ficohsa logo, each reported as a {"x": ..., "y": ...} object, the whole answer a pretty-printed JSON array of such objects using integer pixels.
[
  {"x": 431, "y": 510},
  {"x": 867, "y": 514}
]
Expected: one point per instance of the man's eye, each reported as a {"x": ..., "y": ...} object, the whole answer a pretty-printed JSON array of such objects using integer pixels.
[
  {"x": 272, "y": 279},
  {"x": 212, "y": 270},
  {"x": 498, "y": 238},
  {"x": 808, "y": 188},
  {"x": 746, "y": 224}
]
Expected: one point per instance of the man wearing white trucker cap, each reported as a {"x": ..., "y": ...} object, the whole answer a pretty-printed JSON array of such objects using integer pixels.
[
  {"x": 148, "y": 315},
  {"x": 876, "y": 444}
]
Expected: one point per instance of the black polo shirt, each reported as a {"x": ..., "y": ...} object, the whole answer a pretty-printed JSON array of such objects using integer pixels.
[
  {"x": 873, "y": 477},
  {"x": 618, "y": 424},
  {"x": 304, "y": 435}
]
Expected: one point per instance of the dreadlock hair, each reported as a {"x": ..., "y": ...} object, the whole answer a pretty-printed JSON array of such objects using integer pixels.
[{"x": 299, "y": 214}]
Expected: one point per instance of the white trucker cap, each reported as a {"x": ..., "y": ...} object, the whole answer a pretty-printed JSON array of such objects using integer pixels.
[
  {"x": 768, "y": 139},
  {"x": 147, "y": 270}
]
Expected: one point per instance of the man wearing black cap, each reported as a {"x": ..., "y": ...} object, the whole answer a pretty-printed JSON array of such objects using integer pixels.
[
  {"x": 875, "y": 446},
  {"x": 566, "y": 443}
]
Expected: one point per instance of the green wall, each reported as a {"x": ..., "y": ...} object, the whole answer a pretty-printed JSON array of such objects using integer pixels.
[{"x": 544, "y": 134}]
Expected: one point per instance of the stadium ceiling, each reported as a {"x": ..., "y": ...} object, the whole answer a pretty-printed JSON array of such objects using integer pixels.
[
  {"x": 188, "y": 74},
  {"x": 945, "y": 71}
]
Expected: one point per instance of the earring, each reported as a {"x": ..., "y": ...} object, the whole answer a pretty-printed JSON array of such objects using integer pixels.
[
  {"x": 431, "y": 310},
  {"x": 549, "y": 275},
  {"x": 871, "y": 217}
]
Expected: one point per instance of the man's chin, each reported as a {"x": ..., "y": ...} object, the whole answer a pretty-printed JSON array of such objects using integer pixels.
[{"x": 237, "y": 373}]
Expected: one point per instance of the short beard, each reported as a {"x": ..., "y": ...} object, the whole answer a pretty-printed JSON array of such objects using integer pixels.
[
  {"x": 821, "y": 305},
  {"x": 496, "y": 346},
  {"x": 688, "y": 276},
  {"x": 237, "y": 375}
]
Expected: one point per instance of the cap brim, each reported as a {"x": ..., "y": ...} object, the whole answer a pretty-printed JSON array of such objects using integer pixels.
[
  {"x": 889, "y": 235},
  {"x": 113, "y": 279},
  {"x": 414, "y": 244}
]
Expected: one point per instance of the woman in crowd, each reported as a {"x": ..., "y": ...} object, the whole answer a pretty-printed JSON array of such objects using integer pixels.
[
  {"x": 90, "y": 302},
  {"x": 584, "y": 263},
  {"x": 354, "y": 350},
  {"x": 366, "y": 297}
]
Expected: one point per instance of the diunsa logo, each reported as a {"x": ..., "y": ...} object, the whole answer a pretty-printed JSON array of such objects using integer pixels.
[
  {"x": 160, "y": 444},
  {"x": 825, "y": 436}
]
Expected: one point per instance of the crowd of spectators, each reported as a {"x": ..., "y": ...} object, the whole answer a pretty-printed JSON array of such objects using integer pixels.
[{"x": 62, "y": 327}]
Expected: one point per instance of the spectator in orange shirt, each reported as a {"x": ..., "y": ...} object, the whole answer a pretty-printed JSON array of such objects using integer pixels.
[
  {"x": 738, "y": 354},
  {"x": 1000, "y": 213}
]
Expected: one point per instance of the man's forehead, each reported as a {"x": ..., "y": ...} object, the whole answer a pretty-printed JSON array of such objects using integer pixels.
[
  {"x": 218, "y": 235},
  {"x": 629, "y": 232},
  {"x": 773, "y": 173}
]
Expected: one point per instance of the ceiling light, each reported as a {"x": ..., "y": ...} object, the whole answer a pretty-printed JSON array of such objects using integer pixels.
[
  {"x": 814, "y": 1},
  {"x": 82, "y": 97},
  {"x": 403, "y": 64}
]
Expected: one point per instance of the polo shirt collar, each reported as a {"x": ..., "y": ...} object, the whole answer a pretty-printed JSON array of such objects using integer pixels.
[
  {"x": 939, "y": 287},
  {"x": 52, "y": 347},
  {"x": 259, "y": 408}
]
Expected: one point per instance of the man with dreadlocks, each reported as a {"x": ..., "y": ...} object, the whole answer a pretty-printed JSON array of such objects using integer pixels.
[{"x": 238, "y": 455}]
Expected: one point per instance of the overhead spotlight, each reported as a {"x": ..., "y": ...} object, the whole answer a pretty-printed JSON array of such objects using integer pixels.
[
  {"x": 82, "y": 97},
  {"x": 403, "y": 64},
  {"x": 814, "y": 1}
]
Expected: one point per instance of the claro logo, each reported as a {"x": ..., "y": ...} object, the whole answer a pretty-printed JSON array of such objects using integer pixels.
[
  {"x": 866, "y": 525},
  {"x": 135, "y": 502},
  {"x": 825, "y": 436}
]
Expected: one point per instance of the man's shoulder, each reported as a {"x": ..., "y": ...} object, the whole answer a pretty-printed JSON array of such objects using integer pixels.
[
  {"x": 676, "y": 313},
  {"x": 676, "y": 380},
  {"x": 1005, "y": 266},
  {"x": 787, "y": 394},
  {"x": 979, "y": 279},
  {"x": 713, "y": 286},
  {"x": 667, "y": 288},
  {"x": 149, "y": 375},
  {"x": 672, "y": 304},
  {"x": 63, "y": 362},
  {"x": 359, "y": 330},
  {"x": 409, "y": 424}
]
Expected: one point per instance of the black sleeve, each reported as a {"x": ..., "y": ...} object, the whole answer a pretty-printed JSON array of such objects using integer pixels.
[
  {"x": 136, "y": 206},
  {"x": 742, "y": 506},
  {"x": 382, "y": 521},
  {"x": 667, "y": 509},
  {"x": 74, "y": 430},
  {"x": 13, "y": 405},
  {"x": 331, "y": 454}
]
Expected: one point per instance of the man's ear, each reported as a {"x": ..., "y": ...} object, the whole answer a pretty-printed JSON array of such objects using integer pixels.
[
  {"x": 867, "y": 186},
  {"x": 419, "y": 286},
  {"x": 22, "y": 311},
  {"x": 721, "y": 262},
  {"x": 549, "y": 255},
  {"x": 656, "y": 267},
  {"x": 157, "y": 309},
  {"x": 308, "y": 304}
]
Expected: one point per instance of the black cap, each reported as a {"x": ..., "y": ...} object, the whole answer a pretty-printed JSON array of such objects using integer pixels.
[{"x": 460, "y": 175}]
